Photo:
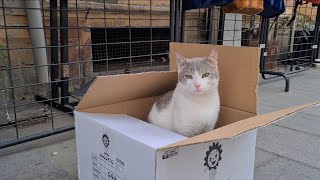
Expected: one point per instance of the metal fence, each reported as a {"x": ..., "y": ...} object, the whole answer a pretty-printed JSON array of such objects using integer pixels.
[
  {"x": 286, "y": 47},
  {"x": 52, "y": 50}
]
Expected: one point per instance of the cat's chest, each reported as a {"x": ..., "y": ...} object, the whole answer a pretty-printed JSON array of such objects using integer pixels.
[
  {"x": 195, "y": 117},
  {"x": 204, "y": 104},
  {"x": 189, "y": 109}
]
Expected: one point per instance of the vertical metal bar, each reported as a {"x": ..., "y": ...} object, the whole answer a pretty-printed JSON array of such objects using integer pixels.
[
  {"x": 314, "y": 54},
  {"x": 130, "y": 35},
  {"x": 183, "y": 25},
  {"x": 221, "y": 27},
  {"x": 106, "y": 34},
  {"x": 263, "y": 40},
  {"x": 209, "y": 25},
  {"x": 54, "y": 71},
  {"x": 64, "y": 51},
  {"x": 177, "y": 21},
  {"x": 317, "y": 24},
  {"x": 151, "y": 38},
  {"x": 81, "y": 79},
  {"x": 283, "y": 38},
  {"x": 50, "y": 103},
  {"x": 234, "y": 29},
  {"x": 172, "y": 25},
  {"x": 199, "y": 27},
  {"x": 275, "y": 31},
  {"x": 10, "y": 70}
]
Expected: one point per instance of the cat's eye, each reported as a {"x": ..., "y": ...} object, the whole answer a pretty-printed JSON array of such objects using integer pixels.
[
  {"x": 188, "y": 76},
  {"x": 205, "y": 75}
]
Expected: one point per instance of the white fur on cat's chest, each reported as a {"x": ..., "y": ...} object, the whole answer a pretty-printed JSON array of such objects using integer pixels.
[{"x": 195, "y": 117}]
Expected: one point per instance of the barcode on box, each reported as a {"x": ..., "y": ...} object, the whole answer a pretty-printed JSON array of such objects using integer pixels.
[
  {"x": 96, "y": 171},
  {"x": 95, "y": 177},
  {"x": 120, "y": 162}
]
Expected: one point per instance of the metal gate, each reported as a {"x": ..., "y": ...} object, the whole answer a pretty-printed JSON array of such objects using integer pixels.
[
  {"x": 52, "y": 50},
  {"x": 286, "y": 48}
]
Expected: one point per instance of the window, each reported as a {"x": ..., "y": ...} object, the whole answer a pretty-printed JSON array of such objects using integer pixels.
[{"x": 111, "y": 48}]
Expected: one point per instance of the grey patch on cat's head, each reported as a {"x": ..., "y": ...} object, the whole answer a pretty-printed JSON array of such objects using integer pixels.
[
  {"x": 164, "y": 101},
  {"x": 199, "y": 64}
]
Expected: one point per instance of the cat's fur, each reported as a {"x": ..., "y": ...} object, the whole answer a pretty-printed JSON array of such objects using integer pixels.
[{"x": 189, "y": 110}]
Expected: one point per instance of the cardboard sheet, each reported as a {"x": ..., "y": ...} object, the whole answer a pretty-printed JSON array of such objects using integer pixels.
[{"x": 241, "y": 127}]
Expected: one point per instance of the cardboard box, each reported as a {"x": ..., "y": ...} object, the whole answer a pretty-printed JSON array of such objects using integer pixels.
[{"x": 113, "y": 141}]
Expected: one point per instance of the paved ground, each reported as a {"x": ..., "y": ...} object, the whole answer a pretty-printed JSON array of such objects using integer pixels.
[
  {"x": 287, "y": 150},
  {"x": 290, "y": 149}
]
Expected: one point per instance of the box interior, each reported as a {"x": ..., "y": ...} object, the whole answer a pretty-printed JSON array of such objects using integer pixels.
[
  {"x": 141, "y": 107},
  {"x": 134, "y": 94}
]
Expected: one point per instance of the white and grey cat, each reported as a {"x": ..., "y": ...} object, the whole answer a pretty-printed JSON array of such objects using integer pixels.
[{"x": 193, "y": 107}]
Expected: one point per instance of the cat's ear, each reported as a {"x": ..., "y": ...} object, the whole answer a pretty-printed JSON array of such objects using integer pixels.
[
  {"x": 181, "y": 61},
  {"x": 213, "y": 57}
]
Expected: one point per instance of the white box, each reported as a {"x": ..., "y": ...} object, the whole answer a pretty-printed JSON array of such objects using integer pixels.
[
  {"x": 119, "y": 145},
  {"x": 122, "y": 146},
  {"x": 113, "y": 141}
]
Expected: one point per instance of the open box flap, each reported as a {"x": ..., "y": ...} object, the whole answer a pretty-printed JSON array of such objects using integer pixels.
[
  {"x": 238, "y": 69},
  {"x": 114, "y": 89},
  {"x": 241, "y": 127}
]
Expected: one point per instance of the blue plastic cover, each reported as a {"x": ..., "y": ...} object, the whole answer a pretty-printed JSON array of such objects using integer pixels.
[
  {"x": 197, "y": 4},
  {"x": 272, "y": 8}
]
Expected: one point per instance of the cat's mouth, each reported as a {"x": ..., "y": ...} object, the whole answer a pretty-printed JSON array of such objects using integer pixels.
[{"x": 198, "y": 91}]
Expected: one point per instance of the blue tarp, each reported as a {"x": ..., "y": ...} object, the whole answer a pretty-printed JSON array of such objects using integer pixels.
[{"x": 272, "y": 8}]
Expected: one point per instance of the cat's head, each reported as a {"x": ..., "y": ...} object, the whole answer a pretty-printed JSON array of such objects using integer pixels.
[{"x": 198, "y": 75}]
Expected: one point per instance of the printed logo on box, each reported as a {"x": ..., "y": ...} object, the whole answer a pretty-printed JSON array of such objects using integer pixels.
[
  {"x": 106, "y": 143},
  {"x": 212, "y": 159},
  {"x": 105, "y": 140},
  {"x": 106, "y": 166},
  {"x": 170, "y": 153}
]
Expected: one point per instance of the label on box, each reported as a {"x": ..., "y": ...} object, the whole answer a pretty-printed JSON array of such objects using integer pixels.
[
  {"x": 106, "y": 168},
  {"x": 120, "y": 165},
  {"x": 170, "y": 153}
]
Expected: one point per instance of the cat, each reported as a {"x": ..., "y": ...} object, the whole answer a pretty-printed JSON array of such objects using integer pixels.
[{"x": 192, "y": 108}]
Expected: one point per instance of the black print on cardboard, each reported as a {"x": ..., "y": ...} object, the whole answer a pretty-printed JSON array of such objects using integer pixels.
[
  {"x": 213, "y": 156},
  {"x": 212, "y": 159},
  {"x": 105, "y": 141},
  {"x": 170, "y": 153}
]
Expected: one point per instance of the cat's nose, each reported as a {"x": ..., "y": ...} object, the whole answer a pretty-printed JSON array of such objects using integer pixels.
[{"x": 197, "y": 86}]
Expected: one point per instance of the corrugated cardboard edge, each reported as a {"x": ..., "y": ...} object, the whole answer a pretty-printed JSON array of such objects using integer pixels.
[
  {"x": 87, "y": 101},
  {"x": 241, "y": 127},
  {"x": 85, "y": 96}
]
